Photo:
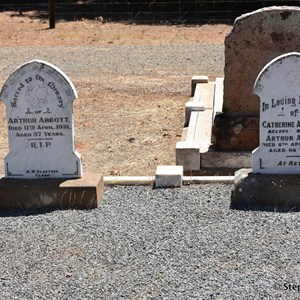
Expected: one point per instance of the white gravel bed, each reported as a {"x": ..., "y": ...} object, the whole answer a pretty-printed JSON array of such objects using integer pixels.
[
  {"x": 146, "y": 243},
  {"x": 82, "y": 62}
]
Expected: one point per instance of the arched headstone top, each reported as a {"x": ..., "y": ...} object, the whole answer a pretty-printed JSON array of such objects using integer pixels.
[
  {"x": 282, "y": 73},
  {"x": 36, "y": 71},
  {"x": 38, "y": 98},
  {"x": 278, "y": 87}
]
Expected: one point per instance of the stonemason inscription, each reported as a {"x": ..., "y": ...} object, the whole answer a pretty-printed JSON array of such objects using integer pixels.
[
  {"x": 278, "y": 86},
  {"x": 38, "y": 99}
]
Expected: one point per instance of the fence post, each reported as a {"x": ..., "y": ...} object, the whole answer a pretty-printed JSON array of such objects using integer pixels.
[{"x": 51, "y": 14}]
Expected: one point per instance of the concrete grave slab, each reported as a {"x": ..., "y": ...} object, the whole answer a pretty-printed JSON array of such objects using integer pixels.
[{"x": 38, "y": 99}]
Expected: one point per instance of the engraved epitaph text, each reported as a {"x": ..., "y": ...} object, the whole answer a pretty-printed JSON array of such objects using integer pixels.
[
  {"x": 278, "y": 86},
  {"x": 38, "y": 99}
]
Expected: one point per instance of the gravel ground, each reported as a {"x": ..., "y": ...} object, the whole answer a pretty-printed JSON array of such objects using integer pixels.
[
  {"x": 144, "y": 243},
  {"x": 97, "y": 61}
]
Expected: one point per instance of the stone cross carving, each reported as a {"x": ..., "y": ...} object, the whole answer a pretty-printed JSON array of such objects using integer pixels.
[
  {"x": 38, "y": 99},
  {"x": 278, "y": 86}
]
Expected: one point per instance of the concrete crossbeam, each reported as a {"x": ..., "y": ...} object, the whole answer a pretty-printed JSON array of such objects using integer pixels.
[{"x": 168, "y": 176}]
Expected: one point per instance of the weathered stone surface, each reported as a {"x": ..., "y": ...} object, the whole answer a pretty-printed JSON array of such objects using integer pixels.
[
  {"x": 222, "y": 160},
  {"x": 235, "y": 132},
  {"x": 38, "y": 99},
  {"x": 278, "y": 86},
  {"x": 266, "y": 190},
  {"x": 255, "y": 40},
  {"x": 82, "y": 193}
]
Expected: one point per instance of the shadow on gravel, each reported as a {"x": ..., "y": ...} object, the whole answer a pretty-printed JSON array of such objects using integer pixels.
[
  {"x": 264, "y": 208},
  {"x": 24, "y": 213}
]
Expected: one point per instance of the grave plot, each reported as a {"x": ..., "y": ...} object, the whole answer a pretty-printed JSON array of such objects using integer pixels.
[
  {"x": 224, "y": 132},
  {"x": 42, "y": 168}
]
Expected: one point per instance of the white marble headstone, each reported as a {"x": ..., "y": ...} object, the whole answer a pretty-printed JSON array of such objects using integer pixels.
[
  {"x": 278, "y": 86},
  {"x": 38, "y": 99}
]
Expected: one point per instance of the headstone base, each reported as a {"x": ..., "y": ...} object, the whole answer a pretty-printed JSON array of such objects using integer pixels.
[
  {"x": 82, "y": 193},
  {"x": 265, "y": 190}
]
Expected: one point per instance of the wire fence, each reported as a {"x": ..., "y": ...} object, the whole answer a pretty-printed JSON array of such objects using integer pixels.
[{"x": 147, "y": 11}]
